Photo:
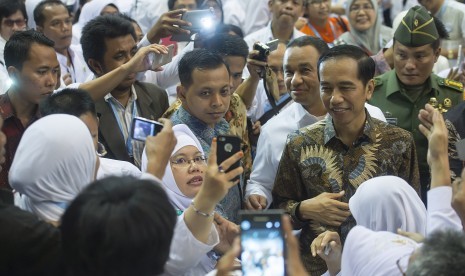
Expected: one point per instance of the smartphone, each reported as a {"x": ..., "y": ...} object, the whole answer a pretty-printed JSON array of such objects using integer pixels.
[
  {"x": 273, "y": 44},
  {"x": 200, "y": 19},
  {"x": 227, "y": 146},
  {"x": 142, "y": 128},
  {"x": 158, "y": 60},
  {"x": 262, "y": 242}
]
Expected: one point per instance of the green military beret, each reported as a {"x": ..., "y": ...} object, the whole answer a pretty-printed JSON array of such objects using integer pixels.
[{"x": 417, "y": 28}]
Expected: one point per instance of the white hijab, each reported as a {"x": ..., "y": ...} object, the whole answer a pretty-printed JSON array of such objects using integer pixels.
[
  {"x": 386, "y": 203},
  {"x": 367, "y": 252},
  {"x": 372, "y": 39},
  {"x": 89, "y": 11},
  {"x": 55, "y": 160},
  {"x": 185, "y": 137}
]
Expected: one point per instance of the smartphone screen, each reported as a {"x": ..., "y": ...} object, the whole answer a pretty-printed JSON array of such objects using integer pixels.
[
  {"x": 262, "y": 242},
  {"x": 142, "y": 128}
]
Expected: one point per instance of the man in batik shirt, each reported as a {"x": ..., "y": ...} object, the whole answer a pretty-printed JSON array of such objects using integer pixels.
[{"x": 323, "y": 164}]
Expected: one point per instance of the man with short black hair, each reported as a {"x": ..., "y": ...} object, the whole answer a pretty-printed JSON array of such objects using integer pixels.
[
  {"x": 55, "y": 22},
  {"x": 33, "y": 66},
  {"x": 108, "y": 42},
  {"x": 323, "y": 164},
  {"x": 13, "y": 17}
]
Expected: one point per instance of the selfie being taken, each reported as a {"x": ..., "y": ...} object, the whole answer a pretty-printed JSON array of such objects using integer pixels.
[{"x": 232, "y": 137}]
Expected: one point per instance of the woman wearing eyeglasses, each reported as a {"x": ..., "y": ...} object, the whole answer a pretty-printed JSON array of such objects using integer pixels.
[
  {"x": 183, "y": 179},
  {"x": 366, "y": 29}
]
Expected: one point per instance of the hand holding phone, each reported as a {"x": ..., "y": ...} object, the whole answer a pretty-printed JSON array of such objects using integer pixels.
[
  {"x": 158, "y": 60},
  {"x": 227, "y": 147},
  {"x": 263, "y": 243},
  {"x": 142, "y": 128},
  {"x": 201, "y": 21}
]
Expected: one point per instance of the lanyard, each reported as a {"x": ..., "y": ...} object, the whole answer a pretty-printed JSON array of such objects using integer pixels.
[
  {"x": 120, "y": 125},
  {"x": 318, "y": 33}
]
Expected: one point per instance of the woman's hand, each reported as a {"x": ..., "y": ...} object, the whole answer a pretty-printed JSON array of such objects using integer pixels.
[{"x": 328, "y": 246}]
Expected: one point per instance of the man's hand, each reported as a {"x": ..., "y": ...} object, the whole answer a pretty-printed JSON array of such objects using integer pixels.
[
  {"x": 435, "y": 130},
  {"x": 326, "y": 209},
  {"x": 333, "y": 257},
  {"x": 168, "y": 24},
  {"x": 255, "y": 67},
  {"x": 294, "y": 263},
  {"x": 256, "y": 202},
  {"x": 67, "y": 80},
  {"x": 257, "y": 127},
  {"x": 419, "y": 238},
  {"x": 159, "y": 148},
  {"x": 140, "y": 61},
  {"x": 227, "y": 231},
  {"x": 227, "y": 263}
]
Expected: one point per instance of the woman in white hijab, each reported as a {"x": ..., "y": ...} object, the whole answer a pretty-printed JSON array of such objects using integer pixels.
[
  {"x": 90, "y": 11},
  {"x": 55, "y": 160},
  {"x": 366, "y": 30},
  {"x": 387, "y": 203},
  {"x": 384, "y": 204},
  {"x": 184, "y": 175}
]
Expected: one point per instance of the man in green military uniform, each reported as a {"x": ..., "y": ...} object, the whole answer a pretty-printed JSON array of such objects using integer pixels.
[{"x": 402, "y": 92}]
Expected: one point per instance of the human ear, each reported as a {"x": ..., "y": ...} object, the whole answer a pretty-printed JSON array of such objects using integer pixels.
[{"x": 96, "y": 67}]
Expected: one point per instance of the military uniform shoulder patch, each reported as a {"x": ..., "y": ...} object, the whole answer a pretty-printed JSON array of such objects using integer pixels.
[{"x": 455, "y": 85}]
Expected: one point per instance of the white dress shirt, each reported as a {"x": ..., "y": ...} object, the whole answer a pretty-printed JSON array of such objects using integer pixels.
[
  {"x": 265, "y": 34},
  {"x": 78, "y": 67},
  {"x": 257, "y": 15},
  {"x": 145, "y": 12},
  {"x": 271, "y": 144},
  {"x": 234, "y": 13}
]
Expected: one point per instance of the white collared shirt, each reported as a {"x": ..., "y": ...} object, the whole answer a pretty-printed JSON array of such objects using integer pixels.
[
  {"x": 78, "y": 67},
  {"x": 257, "y": 15},
  {"x": 265, "y": 34}
]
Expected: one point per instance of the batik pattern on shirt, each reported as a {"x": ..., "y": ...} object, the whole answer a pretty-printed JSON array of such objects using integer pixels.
[{"x": 315, "y": 161}]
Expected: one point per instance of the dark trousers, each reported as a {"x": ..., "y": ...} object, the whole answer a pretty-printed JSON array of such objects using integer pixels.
[{"x": 425, "y": 184}]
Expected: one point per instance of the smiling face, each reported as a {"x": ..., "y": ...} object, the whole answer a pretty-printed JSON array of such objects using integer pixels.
[
  {"x": 208, "y": 97},
  {"x": 300, "y": 73},
  {"x": 286, "y": 12},
  {"x": 57, "y": 26},
  {"x": 189, "y": 178},
  {"x": 39, "y": 74},
  {"x": 343, "y": 93},
  {"x": 362, "y": 15},
  {"x": 414, "y": 65}
]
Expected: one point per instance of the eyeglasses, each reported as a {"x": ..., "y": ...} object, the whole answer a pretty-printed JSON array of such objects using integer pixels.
[
  {"x": 18, "y": 22},
  {"x": 357, "y": 8},
  {"x": 318, "y": 2},
  {"x": 184, "y": 162}
]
